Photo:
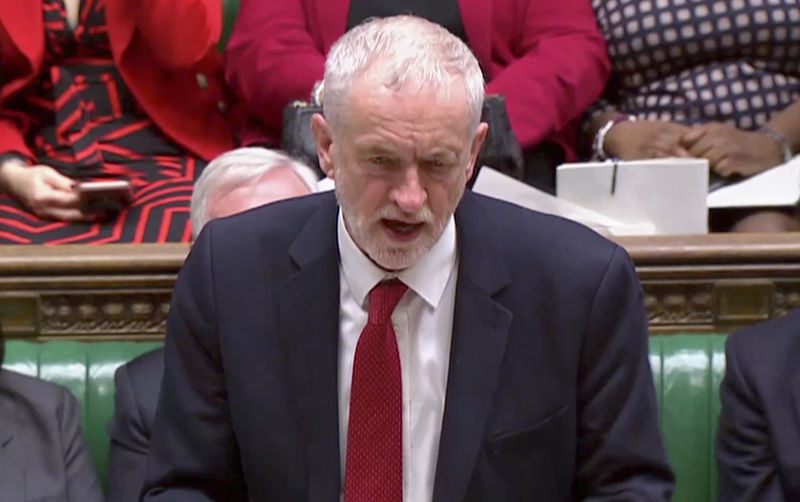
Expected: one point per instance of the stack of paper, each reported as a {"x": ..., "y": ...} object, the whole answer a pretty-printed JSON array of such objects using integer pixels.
[
  {"x": 668, "y": 193},
  {"x": 500, "y": 186},
  {"x": 779, "y": 186}
]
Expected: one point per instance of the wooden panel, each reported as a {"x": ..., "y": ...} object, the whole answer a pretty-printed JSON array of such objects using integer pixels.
[
  {"x": 114, "y": 291},
  {"x": 711, "y": 283},
  {"x": 716, "y": 282}
]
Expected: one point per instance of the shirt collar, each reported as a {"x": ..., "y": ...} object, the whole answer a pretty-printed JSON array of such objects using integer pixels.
[{"x": 427, "y": 278}]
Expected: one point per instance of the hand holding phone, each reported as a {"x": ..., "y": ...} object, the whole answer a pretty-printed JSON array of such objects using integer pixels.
[{"x": 104, "y": 196}]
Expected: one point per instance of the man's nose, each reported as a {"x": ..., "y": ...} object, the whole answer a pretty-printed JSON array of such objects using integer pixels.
[{"x": 409, "y": 194}]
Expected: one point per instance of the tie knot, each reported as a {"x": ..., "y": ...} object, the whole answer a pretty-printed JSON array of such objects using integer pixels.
[{"x": 383, "y": 299}]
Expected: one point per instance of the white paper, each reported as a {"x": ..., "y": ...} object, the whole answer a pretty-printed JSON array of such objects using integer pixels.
[
  {"x": 495, "y": 184},
  {"x": 779, "y": 186},
  {"x": 668, "y": 193}
]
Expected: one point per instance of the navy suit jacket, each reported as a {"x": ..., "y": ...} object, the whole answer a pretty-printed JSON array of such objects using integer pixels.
[
  {"x": 549, "y": 392},
  {"x": 758, "y": 438},
  {"x": 136, "y": 386}
]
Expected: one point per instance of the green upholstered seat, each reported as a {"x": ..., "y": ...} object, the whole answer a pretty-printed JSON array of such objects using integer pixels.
[{"x": 687, "y": 371}]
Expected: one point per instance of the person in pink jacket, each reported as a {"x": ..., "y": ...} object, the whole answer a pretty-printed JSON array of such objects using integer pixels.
[{"x": 546, "y": 57}]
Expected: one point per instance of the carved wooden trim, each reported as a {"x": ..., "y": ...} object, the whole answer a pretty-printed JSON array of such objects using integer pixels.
[{"x": 716, "y": 282}]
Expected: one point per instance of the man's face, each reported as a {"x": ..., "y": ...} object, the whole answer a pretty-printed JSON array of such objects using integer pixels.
[{"x": 400, "y": 160}]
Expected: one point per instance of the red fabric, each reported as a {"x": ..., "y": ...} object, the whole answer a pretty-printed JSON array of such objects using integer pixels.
[
  {"x": 546, "y": 57},
  {"x": 374, "y": 471},
  {"x": 159, "y": 47}
]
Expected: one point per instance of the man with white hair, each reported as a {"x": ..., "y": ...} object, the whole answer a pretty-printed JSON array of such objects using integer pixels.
[
  {"x": 233, "y": 182},
  {"x": 414, "y": 342},
  {"x": 245, "y": 178}
]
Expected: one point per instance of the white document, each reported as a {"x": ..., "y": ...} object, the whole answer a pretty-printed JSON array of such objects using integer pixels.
[
  {"x": 779, "y": 186},
  {"x": 670, "y": 194},
  {"x": 500, "y": 186}
]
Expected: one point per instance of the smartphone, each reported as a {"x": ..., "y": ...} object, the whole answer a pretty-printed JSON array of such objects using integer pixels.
[{"x": 104, "y": 196}]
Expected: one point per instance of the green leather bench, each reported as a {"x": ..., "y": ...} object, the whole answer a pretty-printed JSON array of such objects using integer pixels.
[
  {"x": 87, "y": 369},
  {"x": 687, "y": 371}
]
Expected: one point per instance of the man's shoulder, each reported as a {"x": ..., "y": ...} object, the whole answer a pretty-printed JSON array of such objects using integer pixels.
[
  {"x": 34, "y": 392},
  {"x": 769, "y": 344},
  {"x": 144, "y": 369},
  {"x": 278, "y": 223},
  {"x": 283, "y": 214}
]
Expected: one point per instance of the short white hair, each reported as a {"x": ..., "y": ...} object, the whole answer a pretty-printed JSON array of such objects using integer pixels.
[
  {"x": 404, "y": 50},
  {"x": 236, "y": 168}
]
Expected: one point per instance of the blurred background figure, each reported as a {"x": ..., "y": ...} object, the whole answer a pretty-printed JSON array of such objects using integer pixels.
[
  {"x": 233, "y": 182},
  {"x": 546, "y": 58},
  {"x": 246, "y": 178},
  {"x": 43, "y": 452},
  {"x": 126, "y": 90},
  {"x": 758, "y": 435},
  {"x": 712, "y": 79}
]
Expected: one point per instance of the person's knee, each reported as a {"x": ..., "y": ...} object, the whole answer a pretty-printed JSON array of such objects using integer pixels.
[{"x": 768, "y": 221}]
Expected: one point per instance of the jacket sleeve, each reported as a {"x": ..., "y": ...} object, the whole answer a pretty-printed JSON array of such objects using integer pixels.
[
  {"x": 620, "y": 451},
  {"x": 130, "y": 442},
  {"x": 82, "y": 483},
  {"x": 561, "y": 68},
  {"x": 180, "y": 33},
  {"x": 747, "y": 469},
  {"x": 272, "y": 60},
  {"x": 12, "y": 138},
  {"x": 193, "y": 453}
]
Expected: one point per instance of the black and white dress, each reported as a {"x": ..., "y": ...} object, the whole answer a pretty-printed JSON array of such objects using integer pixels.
[{"x": 696, "y": 61}]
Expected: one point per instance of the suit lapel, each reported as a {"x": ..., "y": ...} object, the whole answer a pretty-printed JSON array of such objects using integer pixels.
[
  {"x": 309, "y": 329},
  {"x": 480, "y": 330}
]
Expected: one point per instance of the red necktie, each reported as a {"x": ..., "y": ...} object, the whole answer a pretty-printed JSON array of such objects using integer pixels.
[{"x": 374, "y": 469}]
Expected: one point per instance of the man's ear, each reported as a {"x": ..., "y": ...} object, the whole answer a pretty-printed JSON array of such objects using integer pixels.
[
  {"x": 475, "y": 149},
  {"x": 324, "y": 140}
]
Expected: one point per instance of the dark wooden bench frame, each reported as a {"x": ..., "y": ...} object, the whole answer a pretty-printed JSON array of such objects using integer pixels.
[{"x": 702, "y": 283}]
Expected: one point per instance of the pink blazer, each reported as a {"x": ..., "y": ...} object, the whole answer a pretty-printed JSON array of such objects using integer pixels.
[{"x": 546, "y": 57}]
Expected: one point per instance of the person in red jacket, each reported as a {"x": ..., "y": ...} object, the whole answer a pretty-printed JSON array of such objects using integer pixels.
[
  {"x": 92, "y": 90},
  {"x": 546, "y": 57}
]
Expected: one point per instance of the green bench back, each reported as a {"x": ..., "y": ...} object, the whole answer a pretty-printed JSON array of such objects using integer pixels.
[
  {"x": 87, "y": 369},
  {"x": 687, "y": 370}
]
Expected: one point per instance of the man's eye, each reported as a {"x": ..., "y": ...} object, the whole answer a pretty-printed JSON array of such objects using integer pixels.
[
  {"x": 379, "y": 161},
  {"x": 437, "y": 164}
]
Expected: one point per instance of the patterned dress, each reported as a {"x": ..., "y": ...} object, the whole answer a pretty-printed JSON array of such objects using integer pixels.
[
  {"x": 695, "y": 61},
  {"x": 80, "y": 118}
]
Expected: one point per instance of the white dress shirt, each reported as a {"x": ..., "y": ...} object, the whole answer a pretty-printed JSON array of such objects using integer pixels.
[{"x": 423, "y": 324}]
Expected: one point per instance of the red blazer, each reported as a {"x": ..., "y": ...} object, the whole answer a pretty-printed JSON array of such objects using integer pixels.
[
  {"x": 546, "y": 57},
  {"x": 164, "y": 50}
]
